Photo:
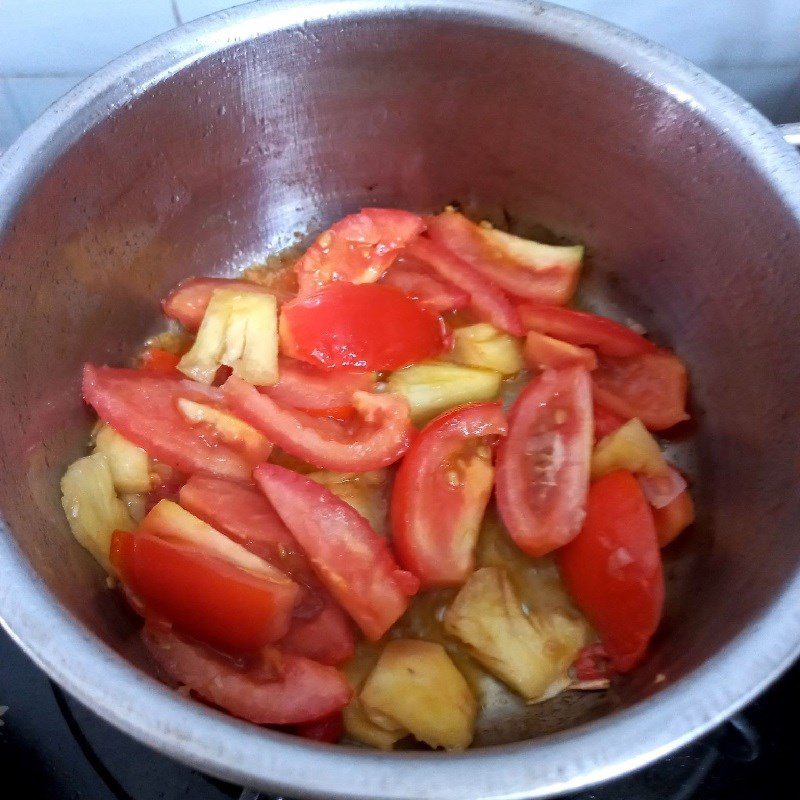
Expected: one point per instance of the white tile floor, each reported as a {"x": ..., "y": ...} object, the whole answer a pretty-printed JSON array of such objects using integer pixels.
[{"x": 46, "y": 46}]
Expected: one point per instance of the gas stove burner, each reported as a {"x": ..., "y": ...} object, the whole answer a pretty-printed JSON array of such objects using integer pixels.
[{"x": 58, "y": 749}]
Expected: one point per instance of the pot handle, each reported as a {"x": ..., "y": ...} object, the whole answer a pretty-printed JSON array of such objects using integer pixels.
[{"x": 790, "y": 132}]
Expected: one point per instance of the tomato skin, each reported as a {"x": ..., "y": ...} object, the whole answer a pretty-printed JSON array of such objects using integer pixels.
[
  {"x": 543, "y": 509},
  {"x": 327, "y": 637},
  {"x": 672, "y": 519},
  {"x": 274, "y": 689},
  {"x": 463, "y": 238},
  {"x": 318, "y": 391},
  {"x": 358, "y": 248},
  {"x": 487, "y": 301},
  {"x": 433, "y": 520},
  {"x": 379, "y": 438},
  {"x": 544, "y": 352},
  {"x": 329, "y": 729},
  {"x": 154, "y": 359},
  {"x": 605, "y": 421},
  {"x": 203, "y": 596},
  {"x": 188, "y": 302},
  {"x": 367, "y": 327},
  {"x": 350, "y": 559},
  {"x": 612, "y": 568},
  {"x": 580, "y": 328},
  {"x": 651, "y": 386},
  {"x": 142, "y": 407},
  {"x": 415, "y": 279}
]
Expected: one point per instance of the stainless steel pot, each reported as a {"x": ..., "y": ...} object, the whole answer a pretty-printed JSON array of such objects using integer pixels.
[{"x": 211, "y": 146}]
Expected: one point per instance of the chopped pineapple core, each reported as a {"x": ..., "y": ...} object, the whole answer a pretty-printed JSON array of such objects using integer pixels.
[
  {"x": 630, "y": 447},
  {"x": 366, "y": 492},
  {"x": 415, "y": 687},
  {"x": 239, "y": 330},
  {"x": 482, "y": 345},
  {"x": 434, "y": 386},
  {"x": 357, "y": 723},
  {"x": 531, "y": 652},
  {"x": 231, "y": 430},
  {"x": 169, "y": 520},
  {"x": 534, "y": 254},
  {"x": 129, "y": 464},
  {"x": 92, "y": 507}
]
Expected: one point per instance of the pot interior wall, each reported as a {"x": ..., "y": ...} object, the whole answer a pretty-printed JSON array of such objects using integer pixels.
[{"x": 223, "y": 163}]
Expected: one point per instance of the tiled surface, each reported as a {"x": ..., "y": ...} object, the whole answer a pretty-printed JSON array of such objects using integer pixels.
[{"x": 46, "y": 46}]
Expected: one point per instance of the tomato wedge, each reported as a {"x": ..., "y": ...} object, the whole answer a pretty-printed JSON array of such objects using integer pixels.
[
  {"x": 370, "y": 327},
  {"x": 154, "y": 359},
  {"x": 358, "y": 248},
  {"x": 605, "y": 421},
  {"x": 318, "y": 391},
  {"x": 612, "y": 568},
  {"x": 379, "y": 437},
  {"x": 417, "y": 280},
  {"x": 328, "y": 637},
  {"x": 350, "y": 559},
  {"x": 673, "y": 518},
  {"x": 578, "y": 327},
  {"x": 508, "y": 261},
  {"x": 545, "y": 352},
  {"x": 651, "y": 386},
  {"x": 487, "y": 301},
  {"x": 207, "y": 598},
  {"x": 543, "y": 464},
  {"x": 275, "y": 689},
  {"x": 142, "y": 407},
  {"x": 188, "y": 302},
  {"x": 441, "y": 491}
]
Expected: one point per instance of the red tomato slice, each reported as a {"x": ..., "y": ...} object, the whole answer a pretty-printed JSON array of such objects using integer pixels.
[
  {"x": 487, "y": 301},
  {"x": 415, "y": 279},
  {"x": 545, "y": 352},
  {"x": 651, "y": 386},
  {"x": 205, "y": 597},
  {"x": 315, "y": 390},
  {"x": 370, "y": 327},
  {"x": 350, "y": 559},
  {"x": 142, "y": 407},
  {"x": 673, "y": 518},
  {"x": 358, "y": 248},
  {"x": 188, "y": 302},
  {"x": 543, "y": 464},
  {"x": 578, "y": 327},
  {"x": 329, "y": 729},
  {"x": 592, "y": 664},
  {"x": 154, "y": 359},
  {"x": 612, "y": 568},
  {"x": 378, "y": 438},
  {"x": 441, "y": 491},
  {"x": 605, "y": 421},
  {"x": 328, "y": 637},
  {"x": 551, "y": 284},
  {"x": 302, "y": 691}
]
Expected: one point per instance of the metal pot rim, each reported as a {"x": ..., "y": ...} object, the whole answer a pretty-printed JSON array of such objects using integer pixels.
[{"x": 245, "y": 754}]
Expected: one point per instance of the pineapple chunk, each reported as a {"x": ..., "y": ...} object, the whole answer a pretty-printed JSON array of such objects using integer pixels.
[
  {"x": 434, "y": 386},
  {"x": 485, "y": 346},
  {"x": 129, "y": 464},
  {"x": 239, "y": 330},
  {"x": 231, "y": 430},
  {"x": 92, "y": 507},
  {"x": 415, "y": 687},
  {"x": 357, "y": 723},
  {"x": 531, "y": 652},
  {"x": 168, "y": 520},
  {"x": 534, "y": 254},
  {"x": 630, "y": 447},
  {"x": 366, "y": 492}
]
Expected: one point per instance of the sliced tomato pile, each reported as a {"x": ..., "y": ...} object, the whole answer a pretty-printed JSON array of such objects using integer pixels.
[{"x": 370, "y": 490}]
